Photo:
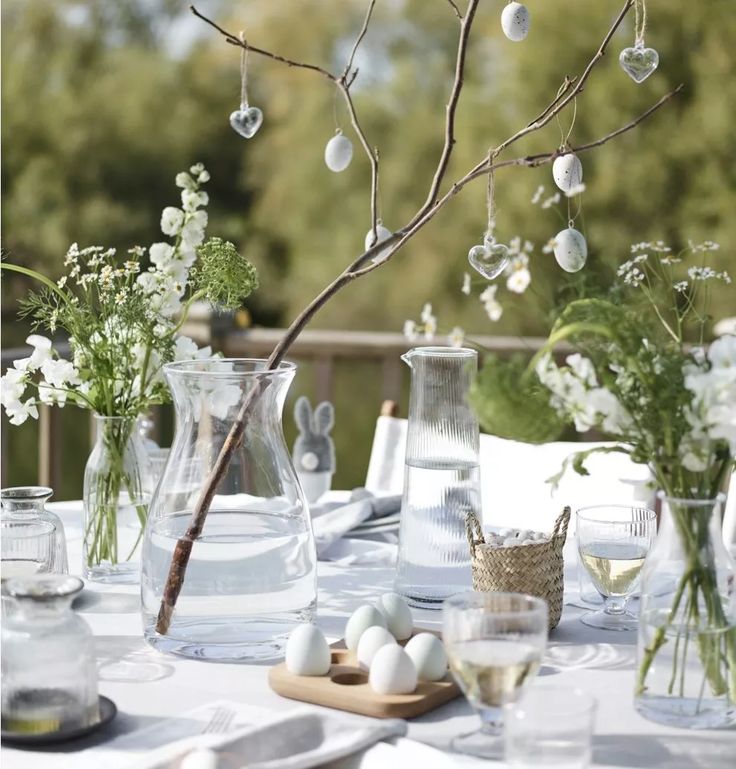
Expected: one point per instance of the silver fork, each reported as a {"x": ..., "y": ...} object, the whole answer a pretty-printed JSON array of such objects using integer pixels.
[{"x": 220, "y": 721}]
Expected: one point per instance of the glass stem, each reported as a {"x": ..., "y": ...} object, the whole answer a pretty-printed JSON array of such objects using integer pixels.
[
  {"x": 491, "y": 720},
  {"x": 614, "y": 604}
]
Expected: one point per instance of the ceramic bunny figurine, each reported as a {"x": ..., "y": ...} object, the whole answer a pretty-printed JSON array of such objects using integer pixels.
[{"x": 314, "y": 451}]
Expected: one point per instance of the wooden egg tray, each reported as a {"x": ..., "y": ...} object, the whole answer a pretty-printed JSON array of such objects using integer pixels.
[{"x": 346, "y": 687}]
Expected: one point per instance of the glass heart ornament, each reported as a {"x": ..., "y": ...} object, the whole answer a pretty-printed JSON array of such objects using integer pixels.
[
  {"x": 489, "y": 259},
  {"x": 638, "y": 62},
  {"x": 246, "y": 121}
]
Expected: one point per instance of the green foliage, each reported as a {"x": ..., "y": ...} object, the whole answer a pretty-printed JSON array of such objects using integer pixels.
[
  {"x": 224, "y": 276},
  {"x": 511, "y": 402}
]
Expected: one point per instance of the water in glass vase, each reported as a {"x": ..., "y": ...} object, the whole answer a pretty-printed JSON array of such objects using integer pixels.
[
  {"x": 681, "y": 688},
  {"x": 434, "y": 558},
  {"x": 613, "y": 567},
  {"x": 250, "y": 581}
]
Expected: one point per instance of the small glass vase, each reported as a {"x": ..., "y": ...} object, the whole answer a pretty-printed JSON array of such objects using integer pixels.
[
  {"x": 687, "y": 620},
  {"x": 49, "y": 670},
  {"x": 117, "y": 490},
  {"x": 23, "y": 506},
  {"x": 251, "y": 574}
]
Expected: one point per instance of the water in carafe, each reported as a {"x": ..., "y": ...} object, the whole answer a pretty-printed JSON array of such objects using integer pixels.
[{"x": 442, "y": 477}]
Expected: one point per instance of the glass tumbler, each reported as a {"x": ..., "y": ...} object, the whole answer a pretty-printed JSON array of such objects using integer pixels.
[
  {"x": 550, "y": 726},
  {"x": 49, "y": 672}
]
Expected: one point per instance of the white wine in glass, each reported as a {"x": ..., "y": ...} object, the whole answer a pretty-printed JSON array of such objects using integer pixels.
[
  {"x": 613, "y": 542},
  {"x": 494, "y": 643}
]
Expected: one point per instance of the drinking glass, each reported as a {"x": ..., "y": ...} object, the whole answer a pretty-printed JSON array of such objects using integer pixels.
[
  {"x": 613, "y": 541},
  {"x": 494, "y": 642},
  {"x": 550, "y": 726}
]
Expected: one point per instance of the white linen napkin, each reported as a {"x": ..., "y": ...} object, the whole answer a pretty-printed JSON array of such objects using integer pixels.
[
  {"x": 333, "y": 520},
  {"x": 300, "y": 739}
]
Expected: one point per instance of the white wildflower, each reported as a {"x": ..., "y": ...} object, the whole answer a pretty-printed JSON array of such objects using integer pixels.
[
  {"x": 185, "y": 181},
  {"x": 18, "y": 412},
  {"x": 466, "y": 284},
  {"x": 456, "y": 337},
  {"x": 576, "y": 190},
  {"x": 538, "y": 195},
  {"x": 519, "y": 280},
  {"x": 172, "y": 220},
  {"x": 680, "y": 286},
  {"x": 553, "y": 200},
  {"x": 41, "y": 350}
]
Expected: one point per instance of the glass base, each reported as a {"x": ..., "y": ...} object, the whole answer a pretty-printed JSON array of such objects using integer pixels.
[
  {"x": 419, "y": 597},
  {"x": 687, "y": 712},
  {"x": 114, "y": 573},
  {"x": 479, "y": 743},
  {"x": 624, "y": 620},
  {"x": 228, "y": 639}
]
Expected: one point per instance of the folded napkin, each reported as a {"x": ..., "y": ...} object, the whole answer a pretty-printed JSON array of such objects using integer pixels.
[
  {"x": 333, "y": 520},
  {"x": 301, "y": 739}
]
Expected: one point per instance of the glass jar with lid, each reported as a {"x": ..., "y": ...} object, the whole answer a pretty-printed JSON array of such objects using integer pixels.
[
  {"x": 23, "y": 506},
  {"x": 49, "y": 672}
]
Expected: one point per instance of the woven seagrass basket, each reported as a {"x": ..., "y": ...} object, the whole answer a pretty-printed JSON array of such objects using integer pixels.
[{"x": 536, "y": 569}]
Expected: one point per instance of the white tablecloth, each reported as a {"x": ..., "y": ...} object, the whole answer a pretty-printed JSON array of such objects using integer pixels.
[{"x": 149, "y": 687}]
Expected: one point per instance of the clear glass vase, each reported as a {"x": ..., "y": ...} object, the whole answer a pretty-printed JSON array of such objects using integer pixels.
[
  {"x": 442, "y": 476},
  {"x": 117, "y": 490},
  {"x": 22, "y": 507},
  {"x": 49, "y": 670},
  {"x": 250, "y": 577},
  {"x": 687, "y": 620}
]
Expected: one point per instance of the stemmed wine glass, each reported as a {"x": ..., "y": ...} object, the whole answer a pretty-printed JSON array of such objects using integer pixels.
[
  {"x": 494, "y": 642},
  {"x": 613, "y": 541}
]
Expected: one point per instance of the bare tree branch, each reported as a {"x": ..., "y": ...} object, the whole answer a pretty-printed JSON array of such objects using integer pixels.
[
  {"x": 455, "y": 9},
  {"x": 360, "y": 266},
  {"x": 358, "y": 41},
  {"x": 457, "y": 86}
]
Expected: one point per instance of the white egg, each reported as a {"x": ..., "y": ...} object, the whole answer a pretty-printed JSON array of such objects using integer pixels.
[
  {"x": 571, "y": 250},
  {"x": 199, "y": 758},
  {"x": 515, "y": 22},
  {"x": 397, "y": 615},
  {"x": 510, "y": 542},
  {"x": 370, "y": 642},
  {"x": 528, "y": 542},
  {"x": 524, "y": 534},
  {"x": 338, "y": 153},
  {"x": 567, "y": 171},
  {"x": 307, "y": 652},
  {"x": 428, "y": 655},
  {"x": 392, "y": 671},
  {"x": 360, "y": 620},
  {"x": 383, "y": 233}
]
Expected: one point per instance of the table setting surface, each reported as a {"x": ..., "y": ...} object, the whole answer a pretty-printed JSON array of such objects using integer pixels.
[{"x": 150, "y": 689}]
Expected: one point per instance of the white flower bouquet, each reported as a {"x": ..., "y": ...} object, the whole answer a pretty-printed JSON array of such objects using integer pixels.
[{"x": 123, "y": 322}]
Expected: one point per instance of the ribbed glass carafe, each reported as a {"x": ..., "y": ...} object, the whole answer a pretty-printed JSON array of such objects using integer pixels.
[{"x": 442, "y": 477}]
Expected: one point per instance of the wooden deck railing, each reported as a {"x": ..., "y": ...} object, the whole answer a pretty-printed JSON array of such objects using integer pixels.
[{"x": 323, "y": 349}]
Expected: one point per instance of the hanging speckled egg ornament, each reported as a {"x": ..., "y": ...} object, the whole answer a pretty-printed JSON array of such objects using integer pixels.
[
  {"x": 338, "y": 152},
  {"x": 246, "y": 121},
  {"x": 489, "y": 259},
  {"x": 515, "y": 22},
  {"x": 638, "y": 62},
  {"x": 382, "y": 233},
  {"x": 571, "y": 250},
  {"x": 567, "y": 171}
]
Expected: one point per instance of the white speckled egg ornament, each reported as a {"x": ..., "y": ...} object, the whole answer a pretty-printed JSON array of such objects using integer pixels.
[
  {"x": 370, "y": 642},
  {"x": 392, "y": 672},
  {"x": 571, "y": 250},
  {"x": 567, "y": 171},
  {"x": 307, "y": 652},
  {"x": 515, "y": 22},
  {"x": 428, "y": 655},
  {"x": 360, "y": 620},
  {"x": 397, "y": 614},
  {"x": 338, "y": 152}
]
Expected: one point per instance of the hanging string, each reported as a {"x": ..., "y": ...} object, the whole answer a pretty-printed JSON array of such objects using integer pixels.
[
  {"x": 491, "y": 195},
  {"x": 243, "y": 70},
  {"x": 640, "y": 22},
  {"x": 334, "y": 111}
]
